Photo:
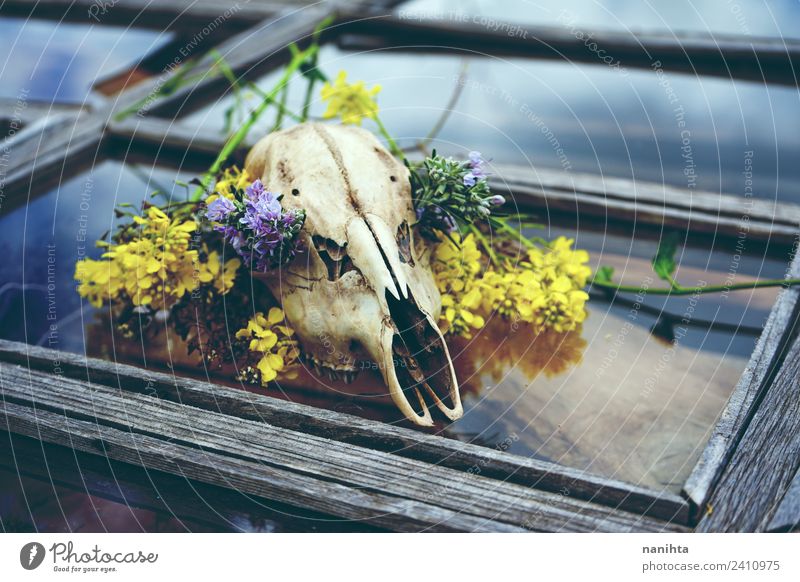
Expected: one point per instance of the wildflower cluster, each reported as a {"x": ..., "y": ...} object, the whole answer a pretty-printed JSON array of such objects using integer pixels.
[
  {"x": 544, "y": 290},
  {"x": 448, "y": 193},
  {"x": 270, "y": 341},
  {"x": 351, "y": 102},
  {"x": 253, "y": 221},
  {"x": 153, "y": 265},
  {"x": 457, "y": 270}
]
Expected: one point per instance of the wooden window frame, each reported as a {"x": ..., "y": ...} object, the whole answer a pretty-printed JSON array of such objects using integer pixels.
[{"x": 746, "y": 479}]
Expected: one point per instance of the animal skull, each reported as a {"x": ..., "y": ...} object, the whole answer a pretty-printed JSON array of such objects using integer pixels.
[{"x": 363, "y": 289}]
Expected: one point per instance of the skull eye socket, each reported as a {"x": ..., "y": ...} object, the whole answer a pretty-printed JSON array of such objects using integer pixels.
[
  {"x": 335, "y": 257},
  {"x": 403, "y": 239}
]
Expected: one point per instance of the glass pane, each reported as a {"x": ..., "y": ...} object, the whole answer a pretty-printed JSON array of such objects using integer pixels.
[
  {"x": 631, "y": 395},
  {"x": 580, "y": 118},
  {"x": 760, "y": 18},
  {"x": 63, "y": 60}
]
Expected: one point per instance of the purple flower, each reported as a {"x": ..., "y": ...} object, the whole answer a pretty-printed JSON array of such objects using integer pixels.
[
  {"x": 261, "y": 232},
  {"x": 476, "y": 169},
  {"x": 219, "y": 209},
  {"x": 497, "y": 200}
]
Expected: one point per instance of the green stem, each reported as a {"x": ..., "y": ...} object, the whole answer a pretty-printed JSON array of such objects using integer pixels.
[
  {"x": 392, "y": 144},
  {"x": 286, "y": 111},
  {"x": 312, "y": 80},
  {"x": 485, "y": 243},
  {"x": 237, "y": 138},
  {"x": 505, "y": 227},
  {"x": 680, "y": 290}
]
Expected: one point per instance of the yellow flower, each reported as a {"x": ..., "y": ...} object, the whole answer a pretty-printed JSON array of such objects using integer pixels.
[
  {"x": 351, "y": 102},
  {"x": 223, "y": 276},
  {"x": 232, "y": 179},
  {"x": 560, "y": 259},
  {"x": 99, "y": 281},
  {"x": 562, "y": 307},
  {"x": 273, "y": 341},
  {"x": 156, "y": 268},
  {"x": 456, "y": 265}
]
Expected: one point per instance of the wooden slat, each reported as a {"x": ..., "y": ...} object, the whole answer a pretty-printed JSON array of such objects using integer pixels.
[
  {"x": 354, "y": 430},
  {"x": 787, "y": 516},
  {"x": 619, "y": 199},
  {"x": 30, "y": 111},
  {"x": 758, "y": 374},
  {"x": 614, "y": 199},
  {"x": 39, "y": 152},
  {"x": 248, "y": 54},
  {"x": 153, "y": 14},
  {"x": 233, "y": 446},
  {"x": 773, "y": 60},
  {"x": 250, "y": 478},
  {"x": 189, "y": 502},
  {"x": 765, "y": 460}
]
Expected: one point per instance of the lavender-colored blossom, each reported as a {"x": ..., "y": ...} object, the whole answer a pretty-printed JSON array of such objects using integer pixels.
[
  {"x": 497, "y": 200},
  {"x": 219, "y": 209},
  {"x": 476, "y": 169},
  {"x": 261, "y": 232}
]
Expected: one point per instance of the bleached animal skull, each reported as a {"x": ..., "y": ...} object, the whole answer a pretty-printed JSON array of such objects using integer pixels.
[{"x": 363, "y": 288}]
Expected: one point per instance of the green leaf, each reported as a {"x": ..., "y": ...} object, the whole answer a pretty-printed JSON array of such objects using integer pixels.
[
  {"x": 604, "y": 275},
  {"x": 664, "y": 263}
]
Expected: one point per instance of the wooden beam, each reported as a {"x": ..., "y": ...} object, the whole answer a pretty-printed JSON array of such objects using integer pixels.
[
  {"x": 766, "y": 458},
  {"x": 263, "y": 46},
  {"x": 613, "y": 199},
  {"x": 191, "y": 503},
  {"x": 357, "y": 431},
  {"x": 39, "y": 153},
  {"x": 151, "y": 14},
  {"x": 291, "y": 467},
  {"x": 746, "y": 396},
  {"x": 773, "y": 60}
]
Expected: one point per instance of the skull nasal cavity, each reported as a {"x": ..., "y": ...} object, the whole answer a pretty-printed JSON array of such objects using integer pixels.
[
  {"x": 334, "y": 256},
  {"x": 403, "y": 238}
]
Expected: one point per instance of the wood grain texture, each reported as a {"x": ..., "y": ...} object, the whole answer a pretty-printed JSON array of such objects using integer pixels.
[
  {"x": 488, "y": 504},
  {"x": 766, "y": 458},
  {"x": 400, "y": 441},
  {"x": 660, "y": 204},
  {"x": 293, "y": 489},
  {"x": 758, "y": 374},
  {"x": 39, "y": 153},
  {"x": 190, "y": 503},
  {"x": 787, "y": 516}
]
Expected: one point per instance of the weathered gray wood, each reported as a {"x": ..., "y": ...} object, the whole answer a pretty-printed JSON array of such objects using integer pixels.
[
  {"x": 40, "y": 151},
  {"x": 189, "y": 502},
  {"x": 354, "y": 430},
  {"x": 766, "y": 457},
  {"x": 30, "y": 111},
  {"x": 787, "y": 516},
  {"x": 758, "y": 374},
  {"x": 157, "y": 14},
  {"x": 287, "y": 487},
  {"x": 247, "y": 53},
  {"x": 771, "y": 60},
  {"x": 501, "y": 506},
  {"x": 766, "y": 215}
]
